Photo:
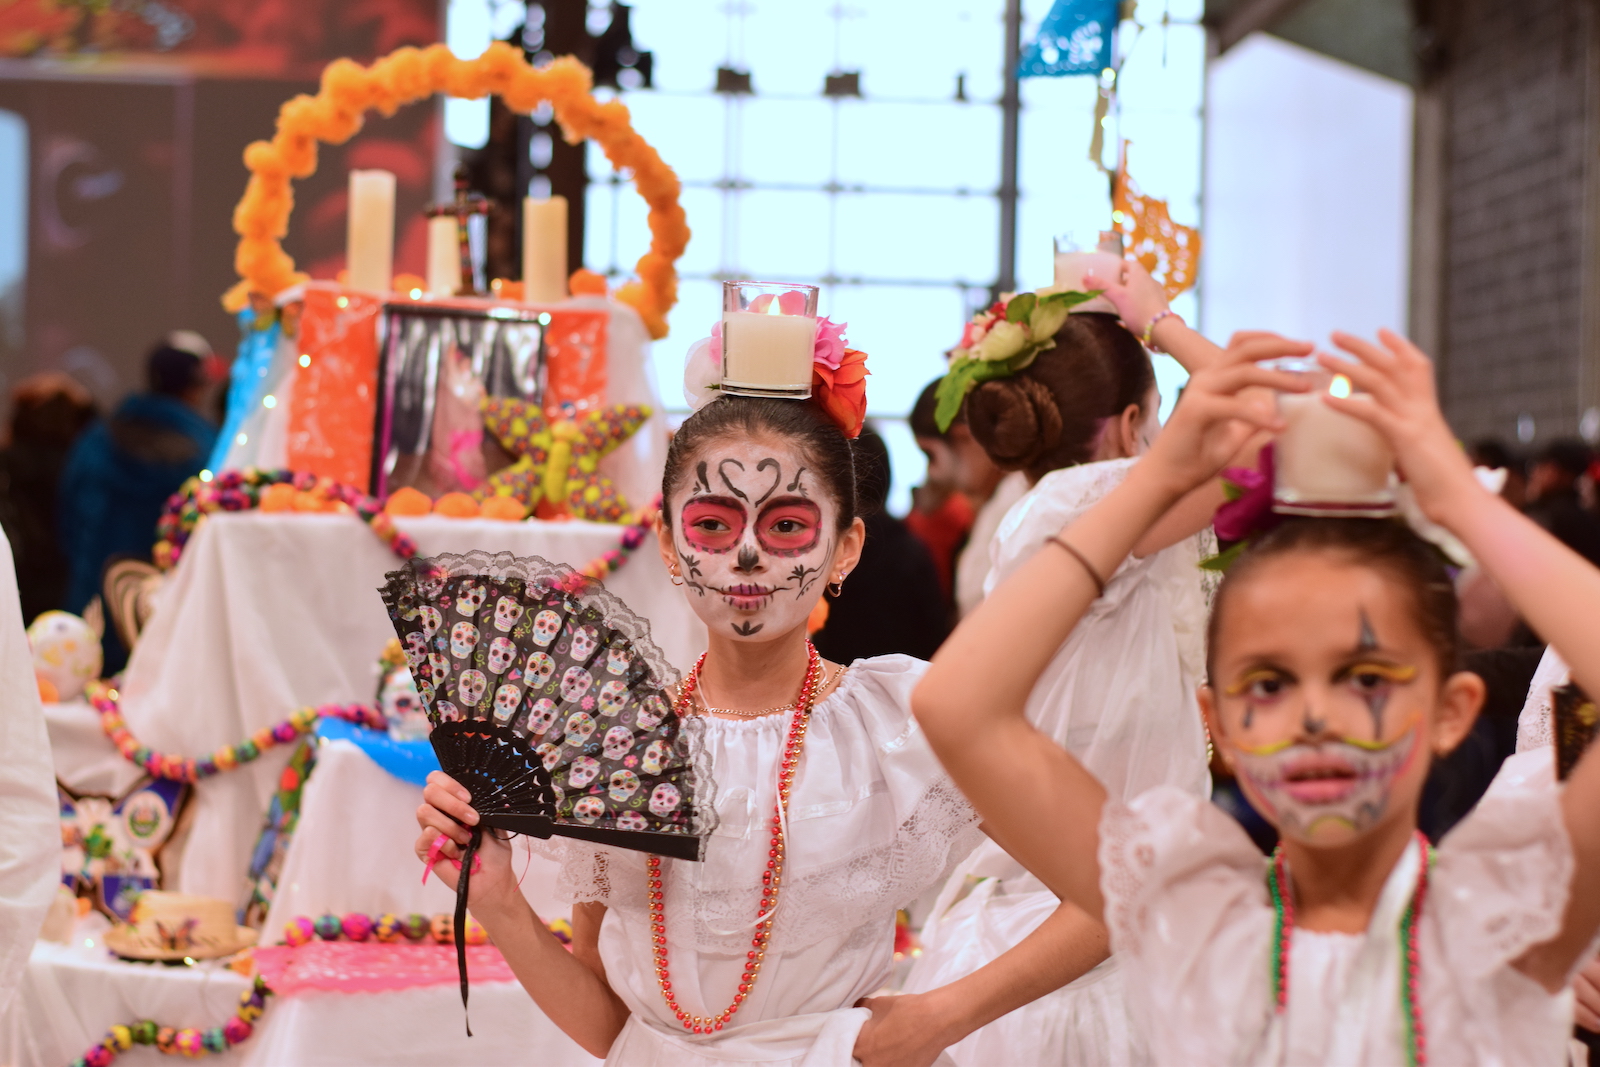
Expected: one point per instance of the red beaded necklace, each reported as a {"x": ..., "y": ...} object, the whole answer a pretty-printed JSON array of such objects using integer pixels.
[
  {"x": 770, "y": 878},
  {"x": 1410, "y": 1006}
]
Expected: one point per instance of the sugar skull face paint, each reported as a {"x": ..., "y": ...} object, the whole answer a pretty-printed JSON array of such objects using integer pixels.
[
  {"x": 1323, "y": 792},
  {"x": 754, "y": 532}
]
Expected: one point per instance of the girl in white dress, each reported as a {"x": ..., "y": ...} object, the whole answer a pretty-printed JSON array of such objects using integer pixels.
[
  {"x": 1119, "y": 692},
  {"x": 767, "y": 951},
  {"x": 1331, "y": 684}
]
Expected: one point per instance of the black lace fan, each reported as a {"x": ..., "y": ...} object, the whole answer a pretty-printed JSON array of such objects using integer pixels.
[{"x": 548, "y": 702}]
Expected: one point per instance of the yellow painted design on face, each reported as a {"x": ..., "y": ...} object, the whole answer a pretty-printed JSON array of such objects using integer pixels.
[
  {"x": 1238, "y": 688},
  {"x": 1389, "y": 672}
]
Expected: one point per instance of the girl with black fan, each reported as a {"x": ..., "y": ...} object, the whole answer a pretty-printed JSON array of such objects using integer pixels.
[{"x": 831, "y": 812}]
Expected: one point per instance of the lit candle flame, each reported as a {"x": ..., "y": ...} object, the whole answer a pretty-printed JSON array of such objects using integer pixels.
[
  {"x": 1340, "y": 386},
  {"x": 773, "y": 308}
]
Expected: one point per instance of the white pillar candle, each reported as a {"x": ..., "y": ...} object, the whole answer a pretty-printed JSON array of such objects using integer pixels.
[
  {"x": 1327, "y": 460},
  {"x": 767, "y": 351},
  {"x": 369, "y": 238},
  {"x": 444, "y": 255},
  {"x": 544, "y": 250},
  {"x": 1071, "y": 267}
]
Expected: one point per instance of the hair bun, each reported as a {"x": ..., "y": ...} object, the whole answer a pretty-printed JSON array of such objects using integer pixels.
[{"x": 1016, "y": 420}]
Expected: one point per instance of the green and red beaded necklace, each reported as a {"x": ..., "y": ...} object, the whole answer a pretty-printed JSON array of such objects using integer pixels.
[{"x": 1283, "y": 929}]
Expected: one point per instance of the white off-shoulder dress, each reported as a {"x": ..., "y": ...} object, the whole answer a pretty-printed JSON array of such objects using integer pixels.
[
  {"x": 873, "y": 823},
  {"x": 1192, "y": 924},
  {"x": 1120, "y": 696}
]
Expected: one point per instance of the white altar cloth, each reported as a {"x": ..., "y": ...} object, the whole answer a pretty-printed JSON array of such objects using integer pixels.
[
  {"x": 70, "y": 996},
  {"x": 269, "y": 612}
]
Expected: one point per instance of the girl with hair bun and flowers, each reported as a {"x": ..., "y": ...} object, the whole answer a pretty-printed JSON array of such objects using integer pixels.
[
  {"x": 1060, "y": 386},
  {"x": 831, "y": 811},
  {"x": 1331, "y": 684}
]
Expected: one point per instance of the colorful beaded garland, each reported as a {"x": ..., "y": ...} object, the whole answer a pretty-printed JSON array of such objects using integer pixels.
[
  {"x": 1283, "y": 930},
  {"x": 185, "y": 1042},
  {"x": 240, "y": 490},
  {"x": 390, "y": 928},
  {"x": 105, "y": 700},
  {"x": 771, "y": 878}
]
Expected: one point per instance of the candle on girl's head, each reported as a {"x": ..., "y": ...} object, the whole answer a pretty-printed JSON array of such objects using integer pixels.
[
  {"x": 1328, "y": 462},
  {"x": 369, "y": 236},
  {"x": 444, "y": 255},
  {"x": 544, "y": 250},
  {"x": 767, "y": 349}
]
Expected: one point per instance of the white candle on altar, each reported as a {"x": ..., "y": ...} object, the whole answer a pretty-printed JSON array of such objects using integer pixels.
[
  {"x": 544, "y": 250},
  {"x": 369, "y": 237},
  {"x": 444, "y": 255},
  {"x": 768, "y": 351},
  {"x": 1325, "y": 457}
]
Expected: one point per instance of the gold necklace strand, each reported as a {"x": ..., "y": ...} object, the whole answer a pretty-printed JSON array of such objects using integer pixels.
[{"x": 707, "y": 709}]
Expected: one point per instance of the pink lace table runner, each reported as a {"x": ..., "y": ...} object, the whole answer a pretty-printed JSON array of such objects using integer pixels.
[{"x": 368, "y": 967}]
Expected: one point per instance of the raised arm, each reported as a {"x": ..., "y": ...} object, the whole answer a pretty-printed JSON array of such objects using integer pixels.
[
  {"x": 1139, "y": 299},
  {"x": 569, "y": 987},
  {"x": 971, "y": 700},
  {"x": 1553, "y": 588}
]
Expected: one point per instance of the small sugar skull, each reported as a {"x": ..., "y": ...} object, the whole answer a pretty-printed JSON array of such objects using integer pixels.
[
  {"x": 613, "y": 697},
  {"x": 438, "y": 668},
  {"x": 617, "y": 661},
  {"x": 430, "y": 583},
  {"x": 624, "y": 784},
  {"x": 583, "y": 771},
  {"x": 463, "y": 639},
  {"x": 447, "y": 711},
  {"x": 470, "y": 687},
  {"x": 546, "y": 625},
  {"x": 580, "y": 724},
  {"x": 652, "y": 709},
  {"x": 506, "y": 699},
  {"x": 550, "y": 753},
  {"x": 655, "y": 757},
  {"x": 470, "y": 599},
  {"x": 540, "y": 668},
  {"x": 575, "y": 683},
  {"x": 664, "y": 800},
  {"x": 402, "y": 704},
  {"x": 501, "y": 654},
  {"x": 584, "y": 641},
  {"x": 632, "y": 820},
  {"x": 618, "y": 740},
  {"x": 542, "y": 715},
  {"x": 416, "y": 649},
  {"x": 431, "y": 619},
  {"x": 588, "y": 809},
  {"x": 506, "y": 613}
]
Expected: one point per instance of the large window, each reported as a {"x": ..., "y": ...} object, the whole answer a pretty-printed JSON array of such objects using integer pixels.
[{"x": 889, "y": 199}]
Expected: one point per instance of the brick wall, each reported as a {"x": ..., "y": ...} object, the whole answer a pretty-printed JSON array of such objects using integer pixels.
[{"x": 1513, "y": 201}]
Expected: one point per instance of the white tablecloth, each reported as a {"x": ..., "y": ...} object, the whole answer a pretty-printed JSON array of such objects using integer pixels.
[
  {"x": 269, "y": 612},
  {"x": 70, "y": 996}
]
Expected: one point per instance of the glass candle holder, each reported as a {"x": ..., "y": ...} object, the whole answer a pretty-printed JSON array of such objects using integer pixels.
[
  {"x": 1326, "y": 462},
  {"x": 769, "y": 335},
  {"x": 1073, "y": 261}
]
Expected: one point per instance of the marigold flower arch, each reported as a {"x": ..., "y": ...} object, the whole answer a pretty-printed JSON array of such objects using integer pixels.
[{"x": 406, "y": 75}]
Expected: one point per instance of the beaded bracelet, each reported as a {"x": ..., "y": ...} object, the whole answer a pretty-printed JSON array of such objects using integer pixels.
[{"x": 1148, "y": 339}]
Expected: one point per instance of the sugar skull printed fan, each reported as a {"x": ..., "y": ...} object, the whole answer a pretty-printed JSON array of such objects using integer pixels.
[{"x": 548, "y": 704}]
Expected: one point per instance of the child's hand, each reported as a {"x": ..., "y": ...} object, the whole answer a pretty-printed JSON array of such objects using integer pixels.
[
  {"x": 1221, "y": 408},
  {"x": 446, "y": 817},
  {"x": 1400, "y": 403},
  {"x": 1137, "y": 297}
]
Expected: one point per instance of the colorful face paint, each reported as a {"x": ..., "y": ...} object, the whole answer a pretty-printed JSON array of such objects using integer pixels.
[
  {"x": 1312, "y": 791},
  {"x": 754, "y": 532}
]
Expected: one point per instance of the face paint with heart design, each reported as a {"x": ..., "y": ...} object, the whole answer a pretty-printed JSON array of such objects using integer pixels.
[{"x": 754, "y": 530}]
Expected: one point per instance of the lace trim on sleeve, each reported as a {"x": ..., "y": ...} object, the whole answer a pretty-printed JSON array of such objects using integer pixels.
[{"x": 1127, "y": 857}]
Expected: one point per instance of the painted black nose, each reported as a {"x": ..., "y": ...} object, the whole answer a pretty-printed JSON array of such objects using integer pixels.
[{"x": 748, "y": 558}]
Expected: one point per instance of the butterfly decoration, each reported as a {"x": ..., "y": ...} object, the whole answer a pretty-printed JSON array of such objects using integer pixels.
[{"x": 558, "y": 466}]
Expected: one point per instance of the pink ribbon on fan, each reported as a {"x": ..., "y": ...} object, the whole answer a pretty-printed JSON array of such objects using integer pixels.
[{"x": 436, "y": 853}]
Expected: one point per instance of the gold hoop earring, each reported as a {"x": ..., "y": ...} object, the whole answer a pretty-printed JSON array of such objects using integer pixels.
[
  {"x": 675, "y": 578},
  {"x": 836, "y": 588}
]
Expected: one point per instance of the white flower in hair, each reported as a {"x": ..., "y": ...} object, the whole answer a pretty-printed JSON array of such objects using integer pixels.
[{"x": 702, "y": 371}]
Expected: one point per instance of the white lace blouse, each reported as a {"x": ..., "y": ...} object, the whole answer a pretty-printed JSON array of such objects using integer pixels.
[
  {"x": 1192, "y": 924},
  {"x": 873, "y": 823}
]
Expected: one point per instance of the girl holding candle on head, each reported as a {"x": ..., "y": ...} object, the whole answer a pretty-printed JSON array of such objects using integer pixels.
[
  {"x": 1331, "y": 686},
  {"x": 1119, "y": 693},
  {"x": 768, "y": 950}
]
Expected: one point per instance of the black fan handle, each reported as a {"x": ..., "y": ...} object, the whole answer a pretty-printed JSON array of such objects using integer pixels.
[{"x": 468, "y": 854}]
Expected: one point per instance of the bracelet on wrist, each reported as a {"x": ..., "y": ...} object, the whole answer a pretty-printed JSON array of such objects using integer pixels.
[{"x": 1149, "y": 337}]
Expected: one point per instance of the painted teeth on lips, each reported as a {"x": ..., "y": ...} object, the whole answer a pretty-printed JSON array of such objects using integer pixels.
[{"x": 747, "y": 597}]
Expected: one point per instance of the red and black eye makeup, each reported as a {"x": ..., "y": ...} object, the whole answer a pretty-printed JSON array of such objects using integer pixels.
[
  {"x": 713, "y": 524},
  {"x": 789, "y": 527}
]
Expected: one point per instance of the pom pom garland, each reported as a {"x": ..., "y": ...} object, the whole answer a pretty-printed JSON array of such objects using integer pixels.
[
  {"x": 188, "y": 1041},
  {"x": 391, "y": 928}
]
